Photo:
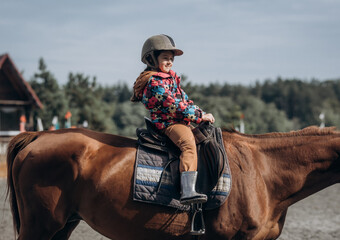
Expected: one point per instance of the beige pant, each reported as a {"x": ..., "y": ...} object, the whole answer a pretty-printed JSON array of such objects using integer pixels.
[{"x": 182, "y": 136}]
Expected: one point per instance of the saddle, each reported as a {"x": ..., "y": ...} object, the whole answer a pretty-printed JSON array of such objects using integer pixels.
[
  {"x": 211, "y": 156},
  {"x": 157, "y": 176}
]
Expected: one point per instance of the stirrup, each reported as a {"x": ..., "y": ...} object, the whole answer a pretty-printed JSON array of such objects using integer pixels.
[{"x": 197, "y": 221}]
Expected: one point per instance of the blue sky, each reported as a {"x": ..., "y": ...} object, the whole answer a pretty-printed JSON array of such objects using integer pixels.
[{"x": 238, "y": 41}]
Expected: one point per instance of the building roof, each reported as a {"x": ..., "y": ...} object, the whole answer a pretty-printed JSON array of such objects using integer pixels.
[{"x": 14, "y": 90}]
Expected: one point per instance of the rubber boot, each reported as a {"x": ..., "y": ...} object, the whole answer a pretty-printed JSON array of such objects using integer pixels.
[{"x": 189, "y": 194}]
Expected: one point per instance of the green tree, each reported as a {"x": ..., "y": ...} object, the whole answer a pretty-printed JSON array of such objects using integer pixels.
[
  {"x": 128, "y": 116},
  {"x": 262, "y": 118},
  {"x": 86, "y": 104},
  {"x": 280, "y": 105},
  {"x": 50, "y": 94},
  {"x": 225, "y": 110}
]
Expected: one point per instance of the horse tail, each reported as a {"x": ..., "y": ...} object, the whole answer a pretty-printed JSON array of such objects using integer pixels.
[{"x": 17, "y": 144}]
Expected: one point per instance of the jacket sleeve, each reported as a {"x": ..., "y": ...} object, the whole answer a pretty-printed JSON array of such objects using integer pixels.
[
  {"x": 153, "y": 94},
  {"x": 189, "y": 110},
  {"x": 158, "y": 97}
]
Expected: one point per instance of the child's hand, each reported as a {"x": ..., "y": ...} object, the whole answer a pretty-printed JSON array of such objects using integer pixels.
[{"x": 208, "y": 118}]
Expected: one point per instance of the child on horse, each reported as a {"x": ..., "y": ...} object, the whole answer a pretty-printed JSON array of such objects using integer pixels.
[{"x": 158, "y": 88}]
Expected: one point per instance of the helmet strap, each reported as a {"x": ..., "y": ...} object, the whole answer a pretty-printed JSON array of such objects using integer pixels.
[{"x": 151, "y": 60}]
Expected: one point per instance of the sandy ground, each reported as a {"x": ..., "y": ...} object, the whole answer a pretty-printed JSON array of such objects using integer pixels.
[{"x": 314, "y": 218}]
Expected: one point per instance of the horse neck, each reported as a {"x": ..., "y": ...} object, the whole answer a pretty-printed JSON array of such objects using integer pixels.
[
  {"x": 295, "y": 166},
  {"x": 302, "y": 165}
]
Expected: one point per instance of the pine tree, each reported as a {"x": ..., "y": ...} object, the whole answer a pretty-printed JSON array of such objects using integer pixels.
[
  {"x": 86, "y": 103},
  {"x": 50, "y": 94}
]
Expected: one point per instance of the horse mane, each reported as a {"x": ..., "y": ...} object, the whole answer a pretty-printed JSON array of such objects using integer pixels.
[{"x": 308, "y": 131}]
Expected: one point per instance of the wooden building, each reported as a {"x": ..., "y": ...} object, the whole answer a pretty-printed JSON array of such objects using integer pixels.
[{"x": 17, "y": 99}]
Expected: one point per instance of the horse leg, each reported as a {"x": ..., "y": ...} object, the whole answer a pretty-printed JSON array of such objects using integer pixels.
[
  {"x": 38, "y": 227},
  {"x": 33, "y": 229},
  {"x": 42, "y": 212},
  {"x": 44, "y": 193},
  {"x": 65, "y": 233}
]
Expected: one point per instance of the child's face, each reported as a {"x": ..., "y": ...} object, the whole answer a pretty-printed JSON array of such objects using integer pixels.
[{"x": 165, "y": 61}]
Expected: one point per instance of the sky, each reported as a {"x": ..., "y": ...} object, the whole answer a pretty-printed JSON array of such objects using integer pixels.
[{"x": 224, "y": 41}]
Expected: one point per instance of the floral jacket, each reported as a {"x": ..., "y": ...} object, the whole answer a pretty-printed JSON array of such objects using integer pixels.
[{"x": 168, "y": 103}]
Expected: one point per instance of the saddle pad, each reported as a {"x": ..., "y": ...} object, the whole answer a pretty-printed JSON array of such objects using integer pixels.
[{"x": 156, "y": 180}]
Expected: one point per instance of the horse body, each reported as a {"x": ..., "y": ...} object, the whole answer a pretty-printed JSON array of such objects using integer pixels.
[
  {"x": 53, "y": 177},
  {"x": 270, "y": 173}
]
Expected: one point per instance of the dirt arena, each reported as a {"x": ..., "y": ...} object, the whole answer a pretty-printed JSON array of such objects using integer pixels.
[{"x": 315, "y": 218}]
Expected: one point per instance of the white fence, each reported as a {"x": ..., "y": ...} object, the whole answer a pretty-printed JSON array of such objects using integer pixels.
[{"x": 3, "y": 148}]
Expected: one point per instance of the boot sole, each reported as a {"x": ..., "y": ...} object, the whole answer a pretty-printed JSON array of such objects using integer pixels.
[{"x": 193, "y": 200}]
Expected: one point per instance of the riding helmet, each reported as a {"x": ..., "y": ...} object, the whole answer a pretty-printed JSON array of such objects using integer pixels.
[{"x": 157, "y": 43}]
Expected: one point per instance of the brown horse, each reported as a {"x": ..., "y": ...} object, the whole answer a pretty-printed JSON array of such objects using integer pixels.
[{"x": 57, "y": 178}]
